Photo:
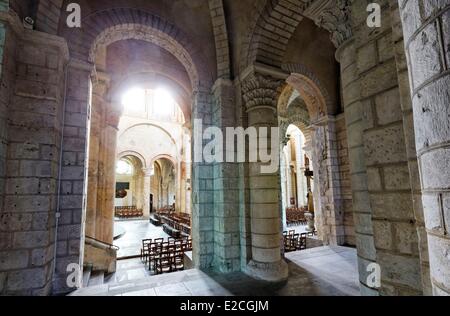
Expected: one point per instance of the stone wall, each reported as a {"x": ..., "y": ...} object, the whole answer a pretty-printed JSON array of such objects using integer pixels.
[
  {"x": 426, "y": 38},
  {"x": 47, "y": 16},
  {"x": 23, "y": 8},
  {"x": 345, "y": 181},
  {"x": 385, "y": 152},
  {"x": 411, "y": 153},
  {"x": 34, "y": 121},
  {"x": 72, "y": 199},
  {"x": 7, "y": 67}
]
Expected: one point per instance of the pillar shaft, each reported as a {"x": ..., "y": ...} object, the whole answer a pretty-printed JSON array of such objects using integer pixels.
[
  {"x": 362, "y": 211},
  {"x": 426, "y": 33},
  {"x": 146, "y": 193},
  {"x": 264, "y": 188}
]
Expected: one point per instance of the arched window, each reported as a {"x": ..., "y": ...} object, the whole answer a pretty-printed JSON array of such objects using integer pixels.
[
  {"x": 154, "y": 104},
  {"x": 124, "y": 167}
]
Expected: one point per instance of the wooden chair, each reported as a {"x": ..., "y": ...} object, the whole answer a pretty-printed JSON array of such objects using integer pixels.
[
  {"x": 164, "y": 261},
  {"x": 302, "y": 242},
  {"x": 178, "y": 260},
  {"x": 144, "y": 249},
  {"x": 154, "y": 251}
]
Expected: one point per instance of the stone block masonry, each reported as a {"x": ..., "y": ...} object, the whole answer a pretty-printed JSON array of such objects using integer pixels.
[
  {"x": 426, "y": 27},
  {"x": 47, "y": 16},
  {"x": 33, "y": 68},
  {"x": 400, "y": 178},
  {"x": 73, "y": 173},
  {"x": 345, "y": 181},
  {"x": 385, "y": 152}
]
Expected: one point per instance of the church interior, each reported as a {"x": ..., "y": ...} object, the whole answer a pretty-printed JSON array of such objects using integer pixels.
[{"x": 110, "y": 112}]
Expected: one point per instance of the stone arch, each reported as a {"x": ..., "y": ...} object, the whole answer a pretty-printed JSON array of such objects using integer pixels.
[
  {"x": 170, "y": 161},
  {"x": 311, "y": 94},
  {"x": 221, "y": 38},
  {"x": 292, "y": 110},
  {"x": 318, "y": 128},
  {"x": 135, "y": 154},
  {"x": 111, "y": 25},
  {"x": 164, "y": 156},
  {"x": 272, "y": 32},
  {"x": 277, "y": 21},
  {"x": 301, "y": 75},
  {"x": 150, "y": 124}
]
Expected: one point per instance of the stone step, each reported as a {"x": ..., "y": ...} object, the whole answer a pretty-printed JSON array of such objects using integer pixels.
[
  {"x": 97, "y": 278},
  {"x": 133, "y": 285},
  {"x": 87, "y": 270}
]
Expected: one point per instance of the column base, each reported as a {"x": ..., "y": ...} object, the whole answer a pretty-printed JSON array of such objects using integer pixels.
[
  {"x": 270, "y": 272},
  {"x": 311, "y": 223}
]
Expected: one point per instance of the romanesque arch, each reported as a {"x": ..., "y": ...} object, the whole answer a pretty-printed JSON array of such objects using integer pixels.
[
  {"x": 106, "y": 27},
  {"x": 116, "y": 24}
]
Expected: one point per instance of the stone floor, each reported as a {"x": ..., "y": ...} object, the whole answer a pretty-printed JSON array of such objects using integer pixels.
[
  {"x": 322, "y": 271},
  {"x": 132, "y": 232},
  {"x": 299, "y": 229}
]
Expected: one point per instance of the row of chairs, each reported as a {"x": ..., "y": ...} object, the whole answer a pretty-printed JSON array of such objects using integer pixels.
[
  {"x": 173, "y": 224},
  {"x": 127, "y": 212},
  {"x": 295, "y": 216},
  {"x": 294, "y": 241},
  {"x": 165, "y": 256},
  {"x": 166, "y": 209}
]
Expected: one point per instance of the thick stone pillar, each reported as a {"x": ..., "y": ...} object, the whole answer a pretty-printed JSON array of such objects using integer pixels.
[
  {"x": 226, "y": 191},
  {"x": 260, "y": 93},
  {"x": 202, "y": 185},
  {"x": 283, "y": 181},
  {"x": 362, "y": 212},
  {"x": 329, "y": 213},
  {"x": 96, "y": 124},
  {"x": 426, "y": 27},
  {"x": 410, "y": 141},
  {"x": 107, "y": 175},
  {"x": 147, "y": 191},
  {"x": 186, "y": 167},
  {"x": 301, "y": 179}
]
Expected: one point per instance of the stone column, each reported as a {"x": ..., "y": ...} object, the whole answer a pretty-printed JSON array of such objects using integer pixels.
[
  {"x": 107, "y": 174},
  {"x": 202, "y": 185},
  {"x": 77, "y": 120},
  {"x": 301, "y": 180},
  {"x": 94, "y": 152},
  {"x": 362, "y": 212},
  {"x": 146, "y": 191},
  {"x": 426, "y": 27},
  {"x": 283, "y": 182},
  {"x": 327, "y": 196},
  {"x": 226, "y": 190},
  {"x": 288, "y": 177},
  {"x": 260, "y": 94}
]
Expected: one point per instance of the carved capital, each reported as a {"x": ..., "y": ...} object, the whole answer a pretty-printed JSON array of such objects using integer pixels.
[
  {"x": 261, "y": 91},
  {"x": 336, "y": 19}
]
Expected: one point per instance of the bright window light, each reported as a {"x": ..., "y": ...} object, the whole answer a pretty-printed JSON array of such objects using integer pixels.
[
  {"x": 124, "y": 168},
  {"x": 164, "y": 103},
  {"x": 134, "y": 100}
]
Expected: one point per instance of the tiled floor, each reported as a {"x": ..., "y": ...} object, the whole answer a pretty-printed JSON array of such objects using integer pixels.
[
  {"x": 133, "y": 231},
  {"x": 318, "y": 271}
]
